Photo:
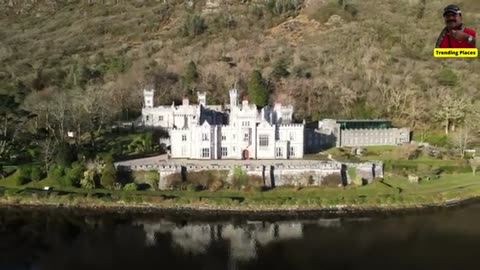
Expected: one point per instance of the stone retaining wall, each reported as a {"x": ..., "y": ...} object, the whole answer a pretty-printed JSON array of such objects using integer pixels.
[{"x": 273, "y": 175}]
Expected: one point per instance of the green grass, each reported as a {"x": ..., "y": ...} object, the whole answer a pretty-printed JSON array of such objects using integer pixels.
[
  {"x": 10, "y": 180},
  {"x": 394, "y": 191}
]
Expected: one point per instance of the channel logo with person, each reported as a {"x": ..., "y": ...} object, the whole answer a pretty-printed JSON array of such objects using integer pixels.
[{"x": 455, "y": 40}]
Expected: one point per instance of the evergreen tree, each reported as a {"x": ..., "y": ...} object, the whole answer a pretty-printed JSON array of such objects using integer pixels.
[
  {"x": 190, "y": 75},
  {"x": 74, "y": 174},
  {"x": 108, "y": 174},
  {"x": 65, "y": 155},
  {"x": 194, "y": 25},
  {"x": 257, "y": 90},
  {"x": 280, "y": 69}
]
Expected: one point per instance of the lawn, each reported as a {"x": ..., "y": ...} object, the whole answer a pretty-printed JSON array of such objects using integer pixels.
[{"x": 393, "y": 190}]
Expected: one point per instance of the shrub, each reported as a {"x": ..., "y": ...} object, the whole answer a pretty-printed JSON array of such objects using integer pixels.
[
  {"x": 108, "y": 178},
  {"x": 193, "y": 187},
  {"x": 240, "y": 178},
  {"x": 256, "y": 189},
  {"x": 215, "y": 184},
  {"x": 24, "y": 176},
  {"x": 332, "y": 180},
  {"x": 280, "y": 69},
  {"x": 37, "y": 173},
  {"x": 150, "y": 178},
  {"x": 194, "y": 25},
  {"x": 74, "y": 175},
  {"x": 65, "y": 155},
  {"x": 406, "y": 152},
  {"x": 277, "y": 7},
  {"x": 56, "y": 171},
  {"x": 424, "y": 169},
  {"x": 89, "y": 179},
  {"x": 447, "y": 77},
  {"x": 22, "y": 180},
  {"x": 173, "y": 181},
  {"x": 130, "y": 187}
]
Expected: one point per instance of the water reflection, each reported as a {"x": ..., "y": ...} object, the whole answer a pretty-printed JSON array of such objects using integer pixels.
[
  {"x": 243, "y": 239},
  {"x": 50, "y": 240}
]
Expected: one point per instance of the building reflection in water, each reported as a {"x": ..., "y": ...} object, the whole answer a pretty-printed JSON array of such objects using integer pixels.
[{"x": 243, "y": 239}]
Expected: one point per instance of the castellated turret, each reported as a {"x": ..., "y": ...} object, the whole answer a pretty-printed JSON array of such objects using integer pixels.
[
  {"x": 202, "y": 98},
  {"x": 233, "y": 98},
  {"x": 148, "y": 96}
]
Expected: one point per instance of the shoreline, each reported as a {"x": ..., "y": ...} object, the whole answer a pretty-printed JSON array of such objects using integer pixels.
[{"x": 209, "y": 211}]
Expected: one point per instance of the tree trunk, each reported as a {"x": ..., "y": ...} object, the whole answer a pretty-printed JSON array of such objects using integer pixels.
[
  {"x": 447, "y": 125},
  {"x": 5, "y": 126}
]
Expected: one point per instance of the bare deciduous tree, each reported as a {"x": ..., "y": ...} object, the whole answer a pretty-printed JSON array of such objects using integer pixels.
[{"x": 450, "y": 108}]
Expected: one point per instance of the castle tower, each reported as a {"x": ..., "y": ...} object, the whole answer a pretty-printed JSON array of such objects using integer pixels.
[
  {"x": 233, "y": 98},
  {"x": 148, "y": 96},
  {"x": 202, "y": 98}
]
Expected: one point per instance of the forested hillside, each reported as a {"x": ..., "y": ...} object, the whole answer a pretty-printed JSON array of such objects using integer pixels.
[{"x": 80, "y": 65}]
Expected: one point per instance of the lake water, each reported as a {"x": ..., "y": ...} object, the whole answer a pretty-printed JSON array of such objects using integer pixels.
[{"x": 59, "y": 239}]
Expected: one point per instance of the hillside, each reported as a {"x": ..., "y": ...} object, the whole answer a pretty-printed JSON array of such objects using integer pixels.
[{"x": 330, "y": 58}]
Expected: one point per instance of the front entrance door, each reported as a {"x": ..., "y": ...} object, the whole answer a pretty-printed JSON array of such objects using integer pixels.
[{"x": 245, "y": 154}]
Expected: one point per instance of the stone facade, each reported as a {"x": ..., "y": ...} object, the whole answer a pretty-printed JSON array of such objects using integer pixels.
[
  {"x": 273, "y": 174},
  {"x": 233, "y": 131}
]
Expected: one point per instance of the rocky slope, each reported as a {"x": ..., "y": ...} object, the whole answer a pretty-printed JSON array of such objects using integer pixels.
[{"x": 342, "y": 58}]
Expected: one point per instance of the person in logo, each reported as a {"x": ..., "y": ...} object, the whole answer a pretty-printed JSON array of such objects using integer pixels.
[{"x": 455, "y": 34}]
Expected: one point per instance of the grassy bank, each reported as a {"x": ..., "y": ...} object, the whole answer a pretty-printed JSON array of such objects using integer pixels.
[{"x": 393, "y": 192}]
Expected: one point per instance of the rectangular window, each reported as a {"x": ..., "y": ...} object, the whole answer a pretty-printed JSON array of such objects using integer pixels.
[
  {"x": 279, "y": 152},
  {"x": 292, "y": 136},
  {"x": 224, "y": 151},
  {"x": 160, "y": 118},
  {"x": 292, "y": 151},
  {"x": 184, "y": 138},
  {"x": 224, "y": 137},
  {"x": 263, "y": 140},
  {"x": 204, "y": 136},
  {"x": 205, "y": 152},
  {"x": 246, "y": 137},
  {"x": 147, "y": 118}
]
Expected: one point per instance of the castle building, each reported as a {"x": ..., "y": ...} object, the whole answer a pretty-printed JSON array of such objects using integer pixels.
[
  {"x": 237, "y": 131},
  {"x": 242, "y": 131}
]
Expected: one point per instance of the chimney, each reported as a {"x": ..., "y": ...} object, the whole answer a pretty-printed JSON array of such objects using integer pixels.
[
  {"x": 278, "y": 106},
  {"x": 245, "y": 101},
  {"x": 185, "y": 101}
]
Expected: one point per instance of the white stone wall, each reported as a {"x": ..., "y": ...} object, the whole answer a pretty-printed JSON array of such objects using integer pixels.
[
  {"x": 371, "y": 137},
  {"x": 363, "y": 137},
  {"x": 295, "y": 135},
  {"x": 229, "y": 139},
  {"x": 265, "y": 130}
]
